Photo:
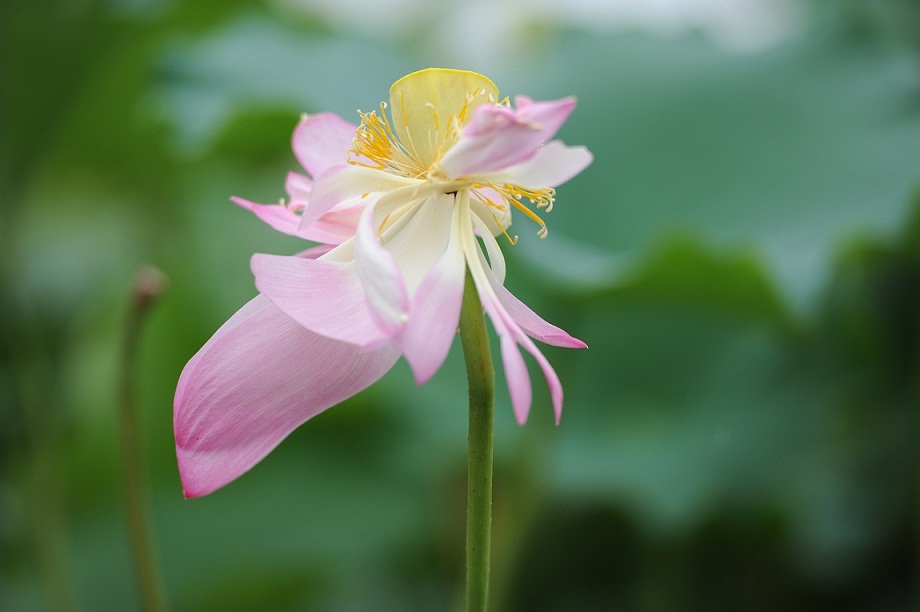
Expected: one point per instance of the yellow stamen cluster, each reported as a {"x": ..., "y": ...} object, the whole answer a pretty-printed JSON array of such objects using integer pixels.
[
  {"x": 375, "y": 141},
  {"x": 415, "y": 153}
]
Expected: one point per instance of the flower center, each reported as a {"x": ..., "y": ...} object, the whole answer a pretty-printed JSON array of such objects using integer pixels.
[{"x": 429, "y": 110}]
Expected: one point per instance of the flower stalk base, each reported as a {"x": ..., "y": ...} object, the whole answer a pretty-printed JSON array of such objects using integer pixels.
[{"x": 481, "y": 379}]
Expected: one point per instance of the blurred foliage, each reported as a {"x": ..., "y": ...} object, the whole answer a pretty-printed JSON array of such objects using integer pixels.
[{"x": 743, "y": 259}]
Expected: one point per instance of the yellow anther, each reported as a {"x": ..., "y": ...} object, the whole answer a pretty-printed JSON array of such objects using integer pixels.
[
  {"x": 543, "y": 231},
  {"x": 512, "y": 241}
]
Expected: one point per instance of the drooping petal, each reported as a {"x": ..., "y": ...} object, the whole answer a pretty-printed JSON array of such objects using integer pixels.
[
  {"x": 322, "y": 141},
  {"x": 498, "y": 137},
  {"x": 423, "y": 103},
  {"x": 532, "y": 324},
  {"x": 516, "y": 375},
  {"x": 509, "y": 333},
  {"x": 339, "y": 185},
  {"x": 435, "y": 310},
  {"x": 326, "y": 297},
  {"x": 385, "y": 291},
  {"x": 256, "y": 380},
  {"x": 551, "y": 166},
  {"x": 511, "y": 336}
]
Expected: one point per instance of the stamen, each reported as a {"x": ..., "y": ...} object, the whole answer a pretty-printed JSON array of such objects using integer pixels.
[
  {"x": 412, "y": 149},
  {"x": 376, "y": 141},
  {"x": 543, "y": 231},
  {"x": 514, "y": 194},
  {"x": 511, "y": 240},
  {"x": 377, "y": 146},
  {"x": 541, "y": 198}
]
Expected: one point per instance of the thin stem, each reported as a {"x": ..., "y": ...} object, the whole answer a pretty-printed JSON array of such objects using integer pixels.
[
  {"x": 481, "y": 379},
  {"x": 147, "y": 288}
]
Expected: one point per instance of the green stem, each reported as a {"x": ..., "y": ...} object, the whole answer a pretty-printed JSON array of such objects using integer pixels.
[
  {"x": 481, "y": 378},
  {"x": 147, "y": 288}
]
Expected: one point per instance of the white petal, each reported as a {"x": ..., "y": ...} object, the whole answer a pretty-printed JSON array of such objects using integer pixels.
[
  {"x": 384, "y": 287},
  {"x": 496, "y": 257},
  {"x": 435, "y": 310},
  {"x": 419, "y": 238}
]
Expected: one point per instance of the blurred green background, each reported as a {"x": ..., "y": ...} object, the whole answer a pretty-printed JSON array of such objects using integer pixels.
[{"x": 743, "y": 258}]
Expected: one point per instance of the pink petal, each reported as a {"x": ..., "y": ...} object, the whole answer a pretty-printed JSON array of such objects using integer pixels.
[
  {"x": 435, "y": 310},
  {"x": 532, "y": 324},
  {"x": 326, "y": 297},
  {"x": 515, "y": 371},
  {"x": 337, "y": 225},
  {"x": 498, "y": 137},
  {"x": 298, "y": 186},
  {"x": 322, "y": 141},
  {"x": 547, "y": 116},
  {"x": 316, "y": 252},
  {"x": 516, "y": 375},
  {"x": 256, "y": 380},
  {"x": 385, "y": 290},
  {"x": 551, "y": 166}
]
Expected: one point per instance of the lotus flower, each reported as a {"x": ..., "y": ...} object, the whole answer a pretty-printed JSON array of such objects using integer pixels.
[{"x": 402, "y": 206}]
